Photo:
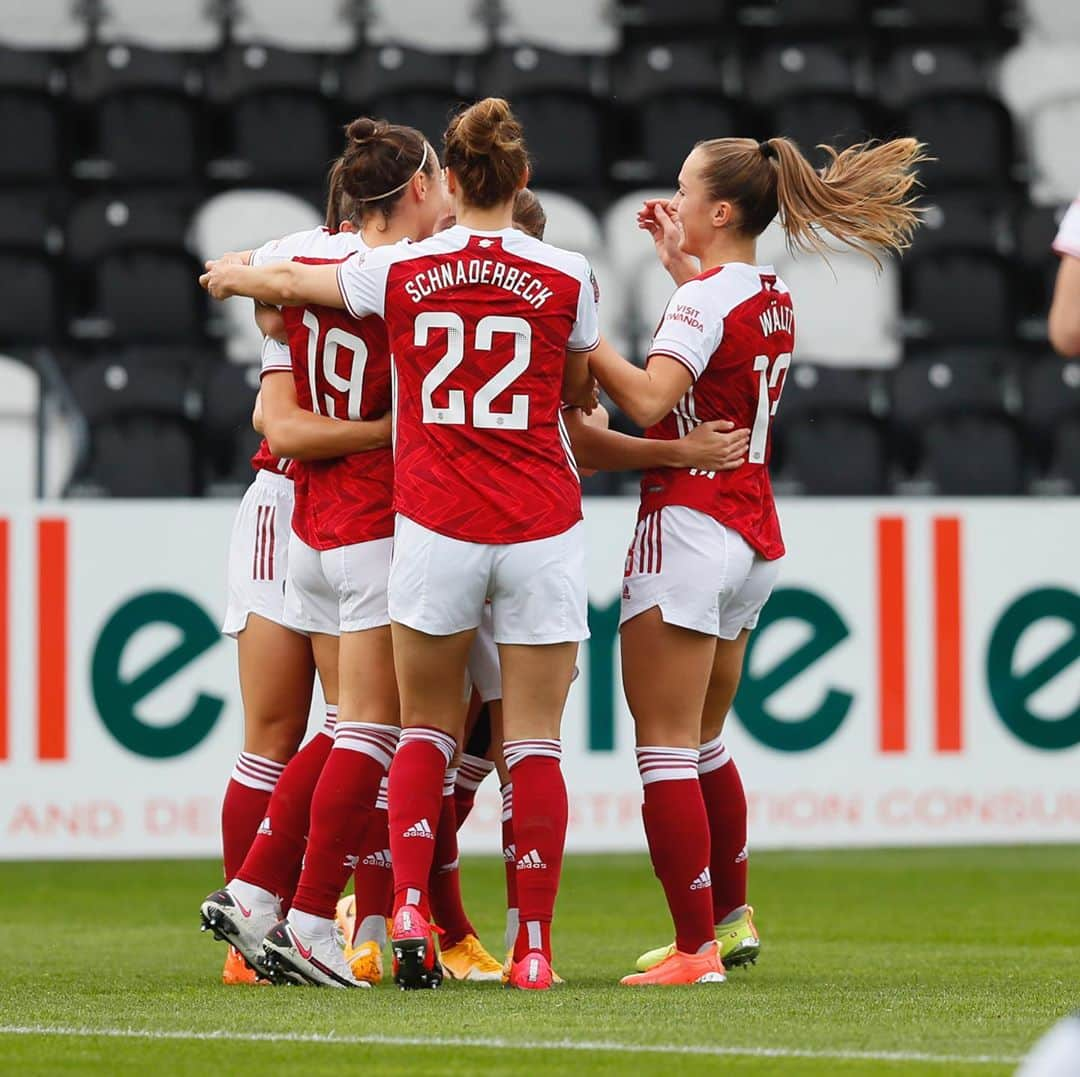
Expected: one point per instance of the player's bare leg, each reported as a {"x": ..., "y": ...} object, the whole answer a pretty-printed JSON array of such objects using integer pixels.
[
  {"x": 535, "y": 682},
  {"x": 431, "y": 678},
  {"x": 666, "y": 671}
]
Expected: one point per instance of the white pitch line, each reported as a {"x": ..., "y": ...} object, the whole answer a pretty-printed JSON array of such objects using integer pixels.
[{"x": 375, "y": 1040}]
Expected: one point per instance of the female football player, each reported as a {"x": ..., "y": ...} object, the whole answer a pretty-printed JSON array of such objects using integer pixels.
[{"x": 706, "y": 551}]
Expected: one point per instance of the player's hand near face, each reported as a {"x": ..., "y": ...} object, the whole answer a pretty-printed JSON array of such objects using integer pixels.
[
  {"x": 656, "y": 218},
  {"x": 714, "y": 446}
]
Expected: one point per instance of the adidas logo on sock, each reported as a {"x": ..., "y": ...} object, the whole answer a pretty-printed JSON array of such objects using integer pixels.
[
  {"x": 702, "y": 881},
  {"x": 381, "y": 859},
  {"x": 531, "y": 860},
  {"x": 422, "y": 829},
  {"x": 351, "y": 862},
  {"x": 445, "y": 869},
  {"x": 264, "y": 828},
  {"x": 510, "y": 853}
]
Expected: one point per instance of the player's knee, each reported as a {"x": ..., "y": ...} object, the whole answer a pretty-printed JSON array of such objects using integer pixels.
[{"x": 275, "y": 735}]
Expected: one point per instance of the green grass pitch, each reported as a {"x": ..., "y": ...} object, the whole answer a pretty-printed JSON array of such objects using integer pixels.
[{"x": 907, "y": 962}]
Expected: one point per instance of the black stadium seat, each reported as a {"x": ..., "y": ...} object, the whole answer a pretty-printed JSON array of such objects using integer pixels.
[
  {"x": 811, "y": 120},
  {"x": 976, "y": 15},
  {"x": 1051, "y": 400},
  {"x": 833, "y": 455},
  {"x": 30, "y": 311},
  {"x": 972, "y": 220},
  {"x": 421, "y": 89},
  {"x": 925, "y": 70},
  {"x": 972, "y": 455},
  {"x": 30, "y": 122},
  {"x": 228, "y": 438},
  {"x": 787, "y": 70},
  {"x": 140, "y": 422},
  {"x": 1065, "y": 456},
  {"x": 970, "y": 135},
  {"x": 143, "y": 115},
  {"x": 811, "y": 390},
  {"x": 663, "y": 67},
  {"x": 672, "y": 123},
  {"x": 131, "y": 220},
  {"x": 678, "y": 14},
  {"x": 960, "y": 296}
]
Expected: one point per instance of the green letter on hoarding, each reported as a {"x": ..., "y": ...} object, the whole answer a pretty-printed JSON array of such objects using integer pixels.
[
  {"x": 1011, "y": 691},
  {"x": 756, "y": 689},
  {"x": 117, "y": 697},
  {"x": 604, "y": 632}
]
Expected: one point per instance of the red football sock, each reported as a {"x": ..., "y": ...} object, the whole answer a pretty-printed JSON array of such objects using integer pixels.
[
  {"x": 273, "y": 862},
  {"x": 725, "y": 803},
  {"x": 373, "y": 879},
  {"x": 444, "y": 883},
  {"x": 244, "y": 807},
  {"x": 677, "y": 830},
  {"x": 472, "y": 771},
  {"x": 416, "y": 785},
  {"x": 540, "y": 818},
  {"x": 341, "y": 812}
]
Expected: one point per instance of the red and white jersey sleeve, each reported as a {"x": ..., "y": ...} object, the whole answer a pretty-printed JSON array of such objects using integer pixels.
[
  {"x": 733, "y": 328},
  {"x": 275, "y": 357},
  {"x": 311, "y": 243},
  {"x": 479, "y": 325},
  {"x": 1067, "y": 240}
]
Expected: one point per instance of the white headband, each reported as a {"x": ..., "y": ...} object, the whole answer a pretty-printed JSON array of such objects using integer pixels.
[{"x": 394, "y": 190}]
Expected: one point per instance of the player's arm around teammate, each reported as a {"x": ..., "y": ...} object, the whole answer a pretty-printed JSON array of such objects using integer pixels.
[
  {"x": 705, "y": 555},
  {"x": 1063, "y": 323}
]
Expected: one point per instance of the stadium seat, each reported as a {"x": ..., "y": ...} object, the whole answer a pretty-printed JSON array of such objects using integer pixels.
[
  {"x": 137, "y": 220},
  {"x": 277, "y": 114},
  {"x": 807, "y": 14},
  {"x": 566, "y": 135},
  {"x": 1052, "y": 20},
  {"x": 832, "y": 455},
  {"x": 661, "y": 67},
  {"x": 20, "y": 392},
  {"x": 1051, "y": 398},
  {"x": 973, "y": 220},
  {"x": 1036, "y": 227},
  {"x": 30, "y": 122},
  {"x": 627, "y": 245},
  {"x": 180, "y": 25},
  {"x": 29, "y": 221},
  {"x": 240, "y": 220},
  {"x": 324, "y": 27},
  {"x": 846, "y": 312},
  {"x": 678, "y": 14},
  {"x": 143, "y": 118},
  {"x": 926, "y": 70},
  {"x": 574, "y": 26},
  {"x": 56, "y": 25},
  {"x": 228, "y": 438},
  {"x": 970, "y": 135},
  {"x": 972, "y": 456},
  {"x": 1065, "y": 455},
  {"x": 571, "y": 224},
  {"x": 960, "y": 295},
  {"x": 140, "y": 421},
  {"x": 448, "y": 26},
  {"x": 673, "y": 122},
  {"x": 30, "y": 312},
  {"x": 976, "y": 15},
  {"x": 389, "y": 70},
  {"x": 143, "y": 296},
  {"x": 787, "y": 70},
  {"x": 811, "y": 120},
  {"x": 811, "y": 390},
  {"x": 947, "y": 384}
]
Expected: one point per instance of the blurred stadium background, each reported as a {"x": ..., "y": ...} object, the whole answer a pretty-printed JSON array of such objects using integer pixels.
[{"x": 916, "y": 679}]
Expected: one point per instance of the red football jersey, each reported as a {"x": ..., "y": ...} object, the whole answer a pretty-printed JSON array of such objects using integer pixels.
[
  {"x": 265, "y": 460},
  {"x": 479, "y": 326},
  {"x": 341, "y": 368},
  {"x": 733, "y": 328}
]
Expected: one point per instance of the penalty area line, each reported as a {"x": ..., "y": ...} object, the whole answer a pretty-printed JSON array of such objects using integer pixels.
[{"x": 332, "y": 1039}]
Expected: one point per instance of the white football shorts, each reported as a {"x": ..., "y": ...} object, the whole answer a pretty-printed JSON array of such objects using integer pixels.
[
  {"x": 258, "y": 552},
  {"x": 702, "y": 575},
  {"x": 438, "y": 585},
  {"x": 339, "y": 590}
]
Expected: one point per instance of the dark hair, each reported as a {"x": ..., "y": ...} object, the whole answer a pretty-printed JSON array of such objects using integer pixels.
[
  {"x": 529, "y": 214},
  {"x": 861, "y": 197},
  {"x": 380, "y": 159},
  {"x": 484, "y": 146},
  {"x": 339, "y": 206}
]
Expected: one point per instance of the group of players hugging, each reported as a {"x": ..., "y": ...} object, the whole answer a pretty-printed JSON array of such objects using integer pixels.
[{"x": 414, "y": 536}]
